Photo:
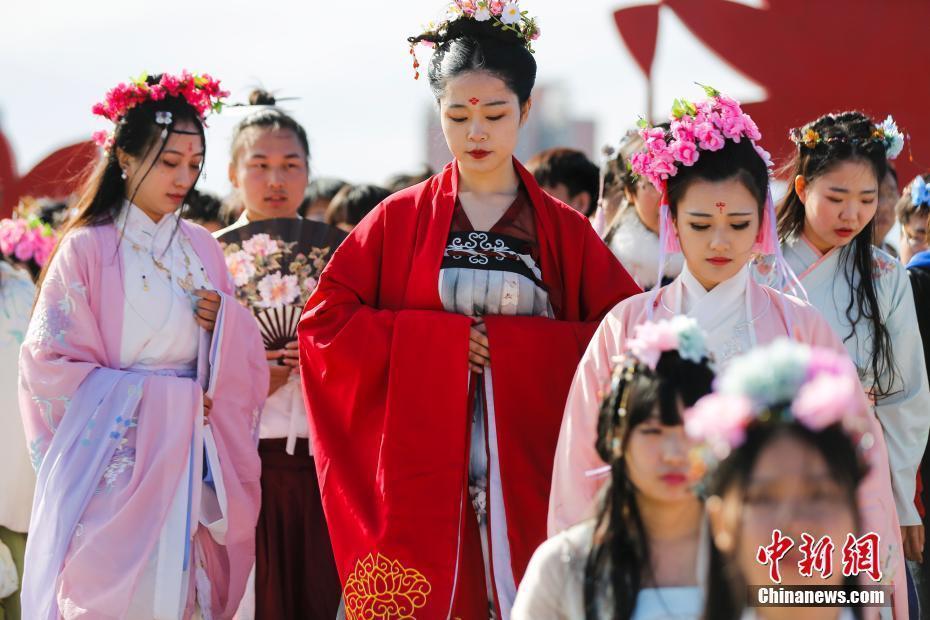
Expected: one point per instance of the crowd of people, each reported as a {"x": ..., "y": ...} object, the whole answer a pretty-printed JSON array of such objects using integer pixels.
[{"x": 637, "y": 390}]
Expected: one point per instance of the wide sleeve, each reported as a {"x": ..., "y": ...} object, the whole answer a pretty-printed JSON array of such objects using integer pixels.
[
  {"x": 574, "y": 482},
  {"x": 63, "y": 343},
  {"x": 905, "y": 413},
  {"x": 386, "y": 393}
]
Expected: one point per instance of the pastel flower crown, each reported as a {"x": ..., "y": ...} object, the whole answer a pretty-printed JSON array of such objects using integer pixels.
[
  {"x": 202, "y": 92},
  {"x": 782, "y": 383},
  {"x": 503, "y": 14},
  {"x": 695, "y": 127},
  {"x": 25, "y": 237},
  {"x": 650, "y": 340},
  {"x": 886, "y": 133},
  {"x": 920, "y": 192},
  {"x": 680, "y": 333}
]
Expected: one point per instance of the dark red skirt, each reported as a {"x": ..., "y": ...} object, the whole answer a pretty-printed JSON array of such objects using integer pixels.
[{"x": 295, "y": 572}]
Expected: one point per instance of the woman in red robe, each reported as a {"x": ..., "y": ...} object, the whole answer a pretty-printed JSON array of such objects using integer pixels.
[{"x": 438, "y": 349}]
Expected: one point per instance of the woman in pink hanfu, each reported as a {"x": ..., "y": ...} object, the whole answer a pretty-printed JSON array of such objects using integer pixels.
[
  {"x": 716, "y": 210},
  {"x": 140, "y": 379}
]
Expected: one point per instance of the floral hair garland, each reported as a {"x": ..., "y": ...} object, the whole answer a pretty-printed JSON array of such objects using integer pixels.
[
  {"x": 503, "y": 14},
  {"x": 781, "y": 383},
  {"x": 680, "y": 333},
  {"x": 25, "y": 238},
  {"x": 887, "y": 133},
  {"x": 695, "y": 127},
  {"x": 650, "y": 340},
  {"x": 202, "y": 92},
  {"x": 920, "y": 192}
]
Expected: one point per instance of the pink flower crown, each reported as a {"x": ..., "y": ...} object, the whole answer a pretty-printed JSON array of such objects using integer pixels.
[
  {"x": 782, "y": 383},
  {"x": 680, "y": 333},
  {"x": 695, "y": 127},
  {"x": 202, "y": 92}
]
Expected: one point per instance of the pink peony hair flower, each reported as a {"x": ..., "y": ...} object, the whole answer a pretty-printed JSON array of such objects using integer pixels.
[
  {"x": 650, "y": 340},
  {"x": 685, "y": 152},
  {"x": 720, "y": 420},
  {"x": 826, "y": 400},
  {"x": 683, "y": 129}
]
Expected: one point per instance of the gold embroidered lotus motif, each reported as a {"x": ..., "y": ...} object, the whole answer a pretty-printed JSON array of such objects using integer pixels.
[{"x": 379, "y": 588}]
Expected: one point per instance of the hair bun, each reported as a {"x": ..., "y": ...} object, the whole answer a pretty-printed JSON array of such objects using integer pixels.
[
  {"x": 471, "y": 28},
  {"x": 261, "y": 97}
]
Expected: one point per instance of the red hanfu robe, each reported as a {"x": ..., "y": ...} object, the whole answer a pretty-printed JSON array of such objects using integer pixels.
[{"x": 386, "y": 382}]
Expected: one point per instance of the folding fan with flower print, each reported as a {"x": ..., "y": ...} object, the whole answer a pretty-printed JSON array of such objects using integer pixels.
[{"x": 275, "y": 265}]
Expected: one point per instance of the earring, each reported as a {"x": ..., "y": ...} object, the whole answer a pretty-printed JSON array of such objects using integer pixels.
[{"x": 124, "y": 176}]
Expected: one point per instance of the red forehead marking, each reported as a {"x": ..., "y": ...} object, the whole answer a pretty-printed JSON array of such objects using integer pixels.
[
  {"x": 474, "y": 101},
  {"x": 721, "y": 206}
]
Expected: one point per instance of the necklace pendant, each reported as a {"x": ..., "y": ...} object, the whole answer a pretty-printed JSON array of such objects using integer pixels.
[{"x": 145, "y": 284}]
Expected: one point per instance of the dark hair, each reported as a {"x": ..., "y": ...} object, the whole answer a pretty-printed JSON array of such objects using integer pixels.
[
  {"x": 203, "y": 207},
  {"x": 268, "y": 118},
  {"x": 726, "y": 591},
  {"x": 401, "y": 181},
  {"x": 905, "y": 209},
  {"x": 136, "y": 134},
  {"x": 846, "y": 137},
  {"x": 620, "y": 549},
  {"x": 470, "y": 45},
  {"x": 736, "y": 160},
  {"x": 323, "y": 188},
  {"x": 354, "y": 202},
  {"x": 569, "y": 167}
]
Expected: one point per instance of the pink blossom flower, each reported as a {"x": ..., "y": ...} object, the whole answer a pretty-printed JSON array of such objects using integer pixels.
[
  {"x": 653, "y": 134},
  {"x": 719, "y": 418},
  {"x": 650, "y": 340},
  {"x": 640, "y": 163},
  {"x": 44, "y": 250},
  {"x": 728, "y": 106},
  {"x": 241, "y": 267},
  {"x": 826, "y": 400},
  {"x": 158, "y": 92},
  {"x": 683, "y": 129},
  {"x": 276, "y": 290},
  {"x": 260, "y": 245},
  {"x": 663, "y": 168},
  {"x": 750, "y": 128},
  {"x": 99, "y": 109},
  {"x": 25, "y": 248},
  {"x": 101, "y": 138},
  {"x": 497, "y": 7},
  {"x": 685, "y": 151},
  {"x": 171, "y": 84},
  {"x": 733, "y": 127},
  {"x": 713, "y": 141}
]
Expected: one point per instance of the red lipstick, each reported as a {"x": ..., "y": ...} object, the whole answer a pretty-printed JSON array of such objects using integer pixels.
[
  {"x": 719, "y": 260},
  {"x": 479, "y": 154},
  {"x": 674, "y": 478}
]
